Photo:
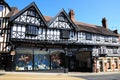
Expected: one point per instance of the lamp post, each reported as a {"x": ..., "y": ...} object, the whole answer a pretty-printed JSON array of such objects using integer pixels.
[{"x": 66, "y": 61}]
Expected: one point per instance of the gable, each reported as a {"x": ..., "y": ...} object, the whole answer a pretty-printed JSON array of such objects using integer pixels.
[
  {"x": 62, "y": 21},
  {"x": 30, "y": 15}
]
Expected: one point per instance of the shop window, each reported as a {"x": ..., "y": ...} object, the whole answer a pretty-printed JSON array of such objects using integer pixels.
[
  {"x": 88, "y": 36},
  {"x": 57, "y": 60},
  {"x": 41, "y": 60},
  {"x": 24, "y": 61},
  {"x": 32, "y": 59}
]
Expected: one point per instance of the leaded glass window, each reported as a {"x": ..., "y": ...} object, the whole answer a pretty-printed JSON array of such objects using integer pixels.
[{"x": 31, "y": 30}]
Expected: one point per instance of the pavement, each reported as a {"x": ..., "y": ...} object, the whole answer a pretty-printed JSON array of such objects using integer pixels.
[{"x": 47, "y": 76}]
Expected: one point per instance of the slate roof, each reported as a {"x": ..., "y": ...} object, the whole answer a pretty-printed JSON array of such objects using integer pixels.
[
  {"x": 94, "y": 29},
  {"x": 85, "y": 27}
]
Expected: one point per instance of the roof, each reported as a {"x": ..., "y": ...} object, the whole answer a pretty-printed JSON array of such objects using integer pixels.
[
  {"x": 94, "y": 29},
  {"x": 48, "y": 18},
  {"x": 13, "y": 11},
  {"x": 85, "y": 27},
  {"x": 80, "y": 26}
]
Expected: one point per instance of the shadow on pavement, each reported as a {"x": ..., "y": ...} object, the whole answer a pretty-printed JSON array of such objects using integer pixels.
[{"x": 1, "y": 74}]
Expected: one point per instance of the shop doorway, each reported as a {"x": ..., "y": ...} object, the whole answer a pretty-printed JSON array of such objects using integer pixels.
[
  {"x": 84, "y": 59},
  {"x": 72, "y": 63},
  {"x": 5, "y": 61}
]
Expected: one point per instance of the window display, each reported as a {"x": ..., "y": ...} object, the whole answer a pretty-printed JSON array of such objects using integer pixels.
[
  {"x": 35, "y": 59},
  {"x": 24, "y": 60},
  {"x": 41, "y": 60},
  {"x": 57, "y": 60}
]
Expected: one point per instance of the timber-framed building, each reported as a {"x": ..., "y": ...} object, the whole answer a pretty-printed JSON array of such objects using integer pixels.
[{"x": 30, "y": 41}]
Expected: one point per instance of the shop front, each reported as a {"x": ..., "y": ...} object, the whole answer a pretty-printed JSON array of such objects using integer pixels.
[{"x": 33, "y": 59}]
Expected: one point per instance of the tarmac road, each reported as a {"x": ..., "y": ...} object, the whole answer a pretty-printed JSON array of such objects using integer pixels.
[{"x": 100, "y": 76}]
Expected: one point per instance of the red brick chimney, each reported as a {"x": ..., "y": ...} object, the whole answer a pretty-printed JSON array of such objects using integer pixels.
[
  {"x": 72, "y": 15},
  {"x": 104, "y": 23}
]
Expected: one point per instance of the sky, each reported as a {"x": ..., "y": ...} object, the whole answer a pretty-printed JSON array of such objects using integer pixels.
[{"x": 88, "y": 11}]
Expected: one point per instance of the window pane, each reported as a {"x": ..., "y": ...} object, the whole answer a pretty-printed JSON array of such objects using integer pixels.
[
  {"x": 41, "y": 60},
  {"x": 31, "y": 30},
  {"x": 88, "y": 36},
  {"x": 57, "y": 60},
  {"x": 24, "y": 59}
]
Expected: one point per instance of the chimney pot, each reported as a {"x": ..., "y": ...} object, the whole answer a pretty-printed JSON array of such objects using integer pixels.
[{"x": 115, "y": 31}]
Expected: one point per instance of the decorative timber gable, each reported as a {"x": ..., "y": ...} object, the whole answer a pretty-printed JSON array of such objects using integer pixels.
[
  {"x": 28, "y": 24},
  {"x": 61, "y": 28},
  {"x": 30, "y": 15},
  {"x": 62, "y": 21}
]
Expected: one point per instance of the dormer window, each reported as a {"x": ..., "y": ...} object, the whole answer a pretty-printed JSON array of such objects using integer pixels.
[
  {"x": 31, "y": 30},
  {"x": 1, "y": 8}
]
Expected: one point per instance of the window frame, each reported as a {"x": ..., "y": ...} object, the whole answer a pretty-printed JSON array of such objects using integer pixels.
[
  {"x": 31, "y": 30},
  {"x": 64, "y": 34},
  {"x": 88, "y": 36},
  {"x": 114, "y": 39},
  {"x": 97, "y": 37}
]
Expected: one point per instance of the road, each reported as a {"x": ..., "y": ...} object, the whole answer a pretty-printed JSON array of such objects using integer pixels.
[{"x": 100, "y": 77}]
